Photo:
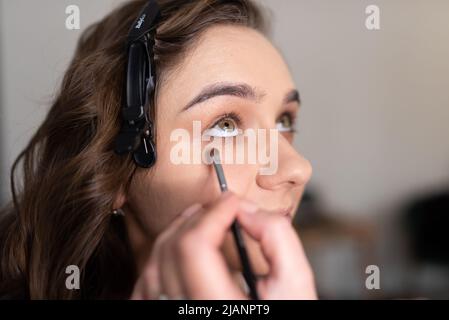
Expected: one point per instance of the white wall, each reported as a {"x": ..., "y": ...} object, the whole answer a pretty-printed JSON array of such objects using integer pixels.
[
  {"x": 35, "y": 50},
  {"x": 375, "y": 111}
]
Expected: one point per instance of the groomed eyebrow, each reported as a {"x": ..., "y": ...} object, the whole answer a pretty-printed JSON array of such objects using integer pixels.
[
  {"x": 241, "y": 90},
  {"x": 292, "y": 96}
]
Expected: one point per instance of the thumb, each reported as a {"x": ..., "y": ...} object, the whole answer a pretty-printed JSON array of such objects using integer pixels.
[{"x": 278, "y": 240}]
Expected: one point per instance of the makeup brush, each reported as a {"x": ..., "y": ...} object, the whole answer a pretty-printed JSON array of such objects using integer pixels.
[{"x": 235, "y": 228}]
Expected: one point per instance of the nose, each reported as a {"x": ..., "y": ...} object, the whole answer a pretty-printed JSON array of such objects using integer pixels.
[{"x": 293, "y": 169}]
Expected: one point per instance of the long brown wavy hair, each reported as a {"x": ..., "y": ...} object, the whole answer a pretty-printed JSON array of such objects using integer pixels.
[{"x": 60, "y": 212}]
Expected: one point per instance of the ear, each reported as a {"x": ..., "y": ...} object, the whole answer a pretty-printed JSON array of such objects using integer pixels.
[{"x": 119, "y": 200}]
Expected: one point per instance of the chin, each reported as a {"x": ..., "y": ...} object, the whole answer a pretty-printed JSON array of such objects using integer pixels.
[{"x": 258, "y": 262}]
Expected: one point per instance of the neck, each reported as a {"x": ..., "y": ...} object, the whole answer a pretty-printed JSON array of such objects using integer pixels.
[{"x": 140, "y": 242}]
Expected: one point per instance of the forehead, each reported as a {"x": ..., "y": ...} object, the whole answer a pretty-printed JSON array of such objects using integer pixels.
[{"x": 229, "y": 53}]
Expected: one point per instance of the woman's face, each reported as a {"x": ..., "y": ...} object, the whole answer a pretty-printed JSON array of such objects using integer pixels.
[{"x": 237, "y": 61}]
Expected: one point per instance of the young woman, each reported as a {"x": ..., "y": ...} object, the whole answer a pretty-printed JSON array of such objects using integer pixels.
[{"x": 214, "y": 65}]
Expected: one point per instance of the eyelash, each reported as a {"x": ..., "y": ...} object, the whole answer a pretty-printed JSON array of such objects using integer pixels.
[{"x": 239, "y": 122}]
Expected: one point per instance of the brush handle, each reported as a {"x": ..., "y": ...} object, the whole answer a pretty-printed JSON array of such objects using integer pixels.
[
  {"x": 248, "y": 273},
  {"x": 235, "y": 228}
]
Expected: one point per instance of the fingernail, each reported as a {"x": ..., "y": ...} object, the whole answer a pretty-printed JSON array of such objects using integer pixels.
[{"x": 248, "y": 206}]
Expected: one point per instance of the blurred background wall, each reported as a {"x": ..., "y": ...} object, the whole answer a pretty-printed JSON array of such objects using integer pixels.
[
  {"x": 374, "y": 119},
  {"x": 376, "y": 105}
]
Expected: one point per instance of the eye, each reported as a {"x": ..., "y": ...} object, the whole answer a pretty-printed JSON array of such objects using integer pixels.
[
  {"x": 225, "y": 127},
  {"x": 286, "y": 123}
]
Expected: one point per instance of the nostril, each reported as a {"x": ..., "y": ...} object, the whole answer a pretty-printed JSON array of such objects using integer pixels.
[{"x": 302, "y": 175}]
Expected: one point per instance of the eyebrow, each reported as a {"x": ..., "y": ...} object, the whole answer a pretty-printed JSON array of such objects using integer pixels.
[{"x": 241, "y": 90}]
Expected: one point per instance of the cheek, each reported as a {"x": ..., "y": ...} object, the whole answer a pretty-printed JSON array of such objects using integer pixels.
[
  {"x": 240, "y": 178},
  {"x": 240, "y": 174},
  {"x": 173, "y": 189},
  {"x": 170, "y": 188}
]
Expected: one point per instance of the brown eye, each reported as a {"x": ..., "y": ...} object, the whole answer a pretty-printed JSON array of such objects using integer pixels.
[{"x": 285, "y": 123}]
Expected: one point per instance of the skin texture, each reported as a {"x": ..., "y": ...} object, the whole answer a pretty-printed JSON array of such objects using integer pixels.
[{"x": 157, "y": 196}]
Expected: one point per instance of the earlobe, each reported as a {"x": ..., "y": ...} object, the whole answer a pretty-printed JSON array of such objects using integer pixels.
[{"x": 120, "y": 199}]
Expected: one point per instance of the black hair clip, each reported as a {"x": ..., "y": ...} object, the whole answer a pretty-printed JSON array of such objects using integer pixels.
[{"x": 136, "y": 134}]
